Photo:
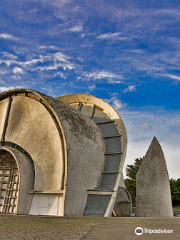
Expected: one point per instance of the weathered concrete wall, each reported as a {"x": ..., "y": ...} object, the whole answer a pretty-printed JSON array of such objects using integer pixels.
[
  {"x": 85, "y": 156},
  {"x": 153, "y": 196},
  {"x": 66, "y": 147},
  {"x": 31, "y": 126},
  {"x": 100, "y": 111},
  {"x": 26, "y": 179},
  {"x": 108, "y": 110}
]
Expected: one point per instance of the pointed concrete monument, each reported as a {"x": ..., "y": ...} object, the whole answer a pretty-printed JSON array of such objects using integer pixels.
[{"x": 153, "y": 195}]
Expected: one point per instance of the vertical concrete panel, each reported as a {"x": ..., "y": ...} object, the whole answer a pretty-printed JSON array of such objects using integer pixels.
[
  {"x": 85, "y": 156},
  {"x": 3, "y": 110},
  {"x": 85, "y": 164},
  {"x": 32, "y": 127}
]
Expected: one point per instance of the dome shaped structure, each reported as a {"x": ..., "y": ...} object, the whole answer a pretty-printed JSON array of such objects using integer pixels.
[
  {"x": 101, "y": 200},
  {"x": 58, "y": 156}
]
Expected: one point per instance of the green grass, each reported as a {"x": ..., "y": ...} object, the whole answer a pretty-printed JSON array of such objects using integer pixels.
[{"x": 177, "y": 207}]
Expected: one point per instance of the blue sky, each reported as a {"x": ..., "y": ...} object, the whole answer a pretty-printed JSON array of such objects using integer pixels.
[{"x": 126, "y": 52}]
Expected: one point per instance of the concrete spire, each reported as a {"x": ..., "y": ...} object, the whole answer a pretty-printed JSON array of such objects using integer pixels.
[{"x": 153, "y": 196}]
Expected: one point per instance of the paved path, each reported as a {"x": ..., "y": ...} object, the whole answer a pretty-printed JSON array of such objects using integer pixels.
[
  {"x": 87, "y": 228},
  {"x": 126, "y": 232}
]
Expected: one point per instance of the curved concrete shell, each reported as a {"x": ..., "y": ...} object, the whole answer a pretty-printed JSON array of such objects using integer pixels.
[
  {"x": 101, "y": 200},
  {"x": 66, "y": 149},
  {"x": 153, "y": 195}
]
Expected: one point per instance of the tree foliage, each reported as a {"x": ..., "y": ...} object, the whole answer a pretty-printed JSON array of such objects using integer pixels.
[
  {"x": 131, "y": 171},
  {"x": 175, "y": 191}
]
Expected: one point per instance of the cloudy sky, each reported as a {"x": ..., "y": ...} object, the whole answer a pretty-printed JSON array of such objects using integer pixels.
[{"x": 126, "y": 52}]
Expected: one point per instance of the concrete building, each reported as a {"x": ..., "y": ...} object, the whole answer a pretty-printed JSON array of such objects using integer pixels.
[
  {"x": 153, "y": 195},
  {"x": 60, "y": 156}
]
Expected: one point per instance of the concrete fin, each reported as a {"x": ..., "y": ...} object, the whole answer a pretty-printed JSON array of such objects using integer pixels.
[{"x": 153, "y": 196}]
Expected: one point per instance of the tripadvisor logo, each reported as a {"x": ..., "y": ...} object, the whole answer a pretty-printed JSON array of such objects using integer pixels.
[{"x": 139, "y": 231}]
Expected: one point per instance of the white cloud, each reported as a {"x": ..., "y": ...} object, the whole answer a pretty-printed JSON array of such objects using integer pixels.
[
  {"x": 20, "y": 63},
  {"x": 9, "y": 55},
  {"x": 51, "y": 61},
  {"x": 60, "y": 74},
  {"x": 7, "y": 36},
  {"x": 77, "y": 28},
  {"x": 138, "y": 51},
  {"x": 3, "y": 89},
  {"x": 112, "y": 36},
  {"x": 92, "y": 87},
  {"x": 114, "y": 81},
  {"x": 108, "y": 35},
  {"x": 173, "y": 12},
  {"x": 116, "y": 102},
  {"x": 8, "y": 62},
  {"x": 18, "y": 70},
  {"x": 130, "y": 88},
  {"x": 172, "y": 76},
  {"x": 31, "y": 62},
  {"x": 103, "y": 75},
  {"x": 51, "y": 47},
  {"x": 55, "y": 61},
  {"x": 56, "y": 66},
  {"x": 60, "y": 57}
]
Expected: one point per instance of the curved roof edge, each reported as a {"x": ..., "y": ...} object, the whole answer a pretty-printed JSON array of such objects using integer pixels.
[
  {"x": 100, "y": 103},
  {"x": 88, "y": 98},
  {"x": 103, "y": 105},
  {"x": 46, "y": 101}
]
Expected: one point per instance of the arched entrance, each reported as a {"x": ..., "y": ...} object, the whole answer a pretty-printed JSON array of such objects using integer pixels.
[{"x": 9, "y": 182}]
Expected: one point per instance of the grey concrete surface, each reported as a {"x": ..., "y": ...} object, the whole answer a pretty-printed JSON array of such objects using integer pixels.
[
  {"x": 109, "y": 110},
  {"x": 153, "y": 196},
  {"x": 101, "y": 111},
  {"x": 85, "y": 158},
  {"x": 66, "y": 147},
  {"x": 84, "y": 228},
  {"x": 31, "y": 126},
  {"x": 127, "y": 231}
]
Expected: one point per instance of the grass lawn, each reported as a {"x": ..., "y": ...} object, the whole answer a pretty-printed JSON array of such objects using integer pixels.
[{"x": 176, "y": 207}]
